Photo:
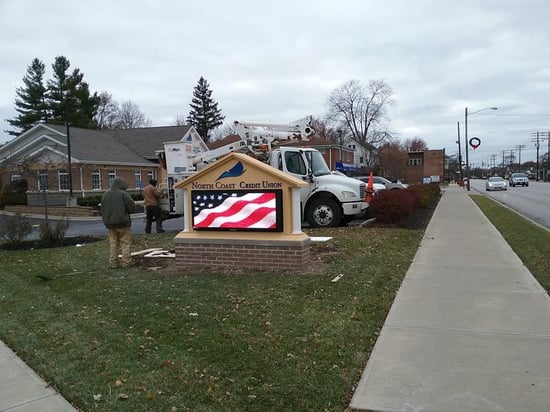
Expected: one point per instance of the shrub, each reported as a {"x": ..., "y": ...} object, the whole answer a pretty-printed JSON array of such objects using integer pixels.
[
  {"x": 426, "y": 193},
  {"x": 54, "y": 233},
  {"x": 92, "y": 201},
  {"x": 392, "y": 206},
  {"x": 14, "y": 229},
  {"x": 14, "y": 193}
]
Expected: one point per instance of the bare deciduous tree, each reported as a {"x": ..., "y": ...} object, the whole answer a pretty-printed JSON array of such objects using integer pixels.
[
  {"x": 222, "y": 131},
  {"x": 41, "y": 173},
  {"x": 130, "y": 117},
  {"x": 393, "y": 160},
  {"x": 180, "y": 120},
  {"x": 111, "y": 115},
  {"x": 106, "y": 112},
  {"x": 416, "y": 144},
  {"x": 361, "y": 111}
]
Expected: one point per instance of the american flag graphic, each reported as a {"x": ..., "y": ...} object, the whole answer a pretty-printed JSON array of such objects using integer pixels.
[{"x": 234, "y": 210}]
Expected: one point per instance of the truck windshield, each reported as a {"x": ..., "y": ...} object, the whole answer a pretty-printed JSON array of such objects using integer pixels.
[{"x": 317, "y": 163}]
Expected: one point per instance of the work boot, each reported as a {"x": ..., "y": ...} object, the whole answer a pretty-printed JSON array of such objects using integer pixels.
[{"x": 161, "y": 231}]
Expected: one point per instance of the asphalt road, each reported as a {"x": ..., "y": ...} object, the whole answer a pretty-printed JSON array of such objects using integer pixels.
[
  {"x": 95, "y": 227},
  {"x": 532, "y": 201}
]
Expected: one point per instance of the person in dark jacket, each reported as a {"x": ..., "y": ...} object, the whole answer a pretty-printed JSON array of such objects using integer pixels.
[
  {"x": 116, "y": 206},
  {"x": 151, "y": 197}
]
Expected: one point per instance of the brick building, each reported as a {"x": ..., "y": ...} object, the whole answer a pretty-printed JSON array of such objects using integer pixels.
[
  {"x": 40, "y": 155},
  {"x": 425, "y": 166}
]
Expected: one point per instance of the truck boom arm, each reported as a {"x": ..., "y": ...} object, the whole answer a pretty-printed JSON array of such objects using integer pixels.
[{"x": 257, "y": 133}]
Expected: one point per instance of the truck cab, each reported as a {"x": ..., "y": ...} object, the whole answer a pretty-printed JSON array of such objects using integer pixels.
[{"x": 329, "y": 199}]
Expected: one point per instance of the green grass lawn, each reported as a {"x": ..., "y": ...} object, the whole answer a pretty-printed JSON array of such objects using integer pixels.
[
  {"x": 530, "y": 242},
  {"x": 138, "y": 340}
]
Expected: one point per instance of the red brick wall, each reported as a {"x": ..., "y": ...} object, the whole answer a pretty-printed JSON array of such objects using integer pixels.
[
  {"x": 434, "y": 163},
  {"x": 234, "y": 256}
]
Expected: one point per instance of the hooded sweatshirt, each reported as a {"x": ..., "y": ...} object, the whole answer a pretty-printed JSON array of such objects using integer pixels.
[{"x": 116, "y": 206}]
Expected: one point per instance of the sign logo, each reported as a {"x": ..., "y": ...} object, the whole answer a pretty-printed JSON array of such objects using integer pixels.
[{"x": 235, "y": 171}]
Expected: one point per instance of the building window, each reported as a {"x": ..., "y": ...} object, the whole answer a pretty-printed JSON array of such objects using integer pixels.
[
  {"x": 63, "y": 177},
  {"x": 42, "y": 180},
  {"x": 137, "y": 175},
  {"x": 415, "y": 162},
  {"x": 15, "y": 177},
  {"x": 111, "y": 176},
  {"x": 151, "y": 175},
  {"x": 96, "y": 180}
]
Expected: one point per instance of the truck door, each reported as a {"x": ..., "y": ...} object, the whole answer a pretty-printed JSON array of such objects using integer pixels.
[{"x": 295, "y": 164}]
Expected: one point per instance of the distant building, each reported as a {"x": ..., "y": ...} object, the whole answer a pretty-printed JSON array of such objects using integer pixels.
[
  {"x": 97, "y": 158},
  {"x": 425, "y": 166}
]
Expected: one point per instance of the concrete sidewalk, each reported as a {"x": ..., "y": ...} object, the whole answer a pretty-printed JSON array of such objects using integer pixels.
[
  {"x": 22, "y": 390},
  {"x": 469, "y": 329}
]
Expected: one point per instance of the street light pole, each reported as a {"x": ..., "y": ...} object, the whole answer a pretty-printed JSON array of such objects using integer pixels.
[
  {"x": 466, "y": 148},
  {"x": 466, "y": 140},
  {"x": 69, "y": 162}
]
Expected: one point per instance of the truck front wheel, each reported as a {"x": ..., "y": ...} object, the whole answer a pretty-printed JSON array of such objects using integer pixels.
[{"x": 324, "y": 213}]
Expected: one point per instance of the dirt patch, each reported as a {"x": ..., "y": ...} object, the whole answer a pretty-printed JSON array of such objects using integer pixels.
[{"x": 422, "y": 215}]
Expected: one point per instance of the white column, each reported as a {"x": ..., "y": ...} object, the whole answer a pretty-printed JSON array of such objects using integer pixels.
[
  {"x": 187, "y": 216},
  {"x": 296, "y": 211}
]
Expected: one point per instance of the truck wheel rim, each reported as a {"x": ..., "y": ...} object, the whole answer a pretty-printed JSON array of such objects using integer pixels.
[{"x": 323, "y": 215}]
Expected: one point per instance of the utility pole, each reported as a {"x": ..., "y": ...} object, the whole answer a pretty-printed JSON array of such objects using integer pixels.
[
  {"x": 459, "y": 152},
  {"x": 537, "y": 145},
  {"x": 519, "y": 147},
  {"x": 493, "y": 162},
  {"x": 542, "y": 136}
]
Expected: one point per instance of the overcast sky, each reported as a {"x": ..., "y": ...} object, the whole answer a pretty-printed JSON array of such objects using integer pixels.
[{"x": 277, "y": 61}]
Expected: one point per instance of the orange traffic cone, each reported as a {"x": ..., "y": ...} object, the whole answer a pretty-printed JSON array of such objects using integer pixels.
[{"x": 370, "y": 189}]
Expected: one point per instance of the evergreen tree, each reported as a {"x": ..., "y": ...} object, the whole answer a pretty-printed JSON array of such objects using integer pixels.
[
  {"x": 30, "y": 100},
  {"x": 69, "y": 96},
  {"x": 204, "y": 114}
]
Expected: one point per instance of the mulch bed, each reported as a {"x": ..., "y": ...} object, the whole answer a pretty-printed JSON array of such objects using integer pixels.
[
  {"x": 39, "y": 244},
  {"x": 417, "y": 221}
]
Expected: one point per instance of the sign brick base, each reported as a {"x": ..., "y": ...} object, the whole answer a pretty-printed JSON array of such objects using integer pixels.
[{"x": 239, "y": 254}]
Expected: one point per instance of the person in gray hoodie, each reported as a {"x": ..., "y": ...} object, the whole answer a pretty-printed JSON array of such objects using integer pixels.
[{"x": 116, "y": 206}]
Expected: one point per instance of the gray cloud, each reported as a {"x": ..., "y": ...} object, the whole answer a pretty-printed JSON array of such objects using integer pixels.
[{"x": 279, "y": 60}]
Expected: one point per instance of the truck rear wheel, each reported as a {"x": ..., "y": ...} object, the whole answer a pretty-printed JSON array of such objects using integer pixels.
[{"x": 324, "y": 213}]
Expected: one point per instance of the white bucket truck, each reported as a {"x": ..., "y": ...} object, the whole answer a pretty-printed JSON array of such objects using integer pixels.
[{"x": 328, "y": 200}]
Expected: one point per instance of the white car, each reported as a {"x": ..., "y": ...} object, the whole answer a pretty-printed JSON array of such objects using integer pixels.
[
  {"x": 518, "y": 179},
  {"x": 496, "y": 183},
  {"x": 389, "y": 184},
  {"x": 380, "y": 183},
  {"x": 376, "y": 186}
]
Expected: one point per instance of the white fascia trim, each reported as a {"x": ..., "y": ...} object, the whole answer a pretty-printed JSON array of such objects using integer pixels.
[{"x": 34, "y": 142}]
